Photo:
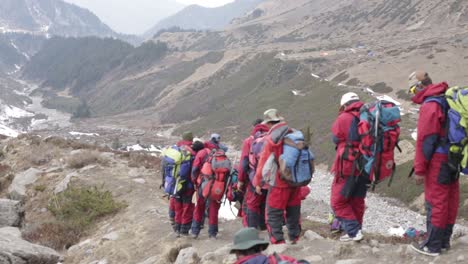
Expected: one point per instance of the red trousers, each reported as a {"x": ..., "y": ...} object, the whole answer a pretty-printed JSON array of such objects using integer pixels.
[
  {"x": 280, "y": 201},
  {"x": 254, "y": 208},
  {"x": 183, "y": 208},
  {"x": 348, "y": 202},
  {"x": 442, "y": 195},
  {"x": 198, "y": 216}
]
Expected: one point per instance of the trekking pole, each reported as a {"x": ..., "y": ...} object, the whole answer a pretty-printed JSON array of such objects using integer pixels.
[{"x": 411, "y": 173}]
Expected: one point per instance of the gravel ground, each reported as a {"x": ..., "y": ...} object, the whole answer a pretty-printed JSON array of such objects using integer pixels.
[{"x": 382, "y": 213}]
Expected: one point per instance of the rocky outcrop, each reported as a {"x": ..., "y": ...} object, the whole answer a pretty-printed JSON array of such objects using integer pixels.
[
  {"x": 15, "y": 250},
  {"x": 17, "y": 189},
  {"x": 11, "y": 213}
]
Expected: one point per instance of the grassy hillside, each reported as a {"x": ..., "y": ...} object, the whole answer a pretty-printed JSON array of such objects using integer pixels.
[
  {"x": 229, "y": 105},
  {"x": 405, "y": 190}
]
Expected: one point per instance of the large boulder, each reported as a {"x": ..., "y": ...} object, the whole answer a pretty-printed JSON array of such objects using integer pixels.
[
  {"x": 17, "y": 189},
  {"x": 15, "y": 250},
  {"x": 11, "y": 213}
]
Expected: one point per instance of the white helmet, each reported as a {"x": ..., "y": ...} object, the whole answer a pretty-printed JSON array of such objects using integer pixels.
[{"x": 348, "y": 97}]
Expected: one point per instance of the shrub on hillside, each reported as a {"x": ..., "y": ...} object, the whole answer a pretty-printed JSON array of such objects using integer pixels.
[
  {"x": 85, "y": 158},
  {"x": 75, "y": 211}
]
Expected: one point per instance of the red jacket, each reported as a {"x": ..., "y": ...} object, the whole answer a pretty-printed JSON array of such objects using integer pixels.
[
  {"x": 430, "y": 126},
  {"x": 184, "y": 143},
  {"x": 344, "y": 131},
  {"x": 269, "y": 148},
  {"x": 257, "y": 131},
  {"x": 198, "y": 162}
]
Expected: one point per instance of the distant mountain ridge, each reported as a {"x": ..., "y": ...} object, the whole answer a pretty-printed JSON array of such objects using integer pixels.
[
  {"x": 54, "y": 17},
  {"x": 202, "y": 18}
]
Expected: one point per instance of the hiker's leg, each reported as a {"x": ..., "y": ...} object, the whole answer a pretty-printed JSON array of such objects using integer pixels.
[
  {"x": 293, "y": 214},
  {"x": 213, "y": 217},
  {"x": 358, "y": 202},
  {"x": 262, "y": 221},
  {"x": 179, "y": 211},
  {"x": 436, "y": 195},
  {"x": 198, "y": 215},
  {"x": 453, "y": 203},
  {"x": 187, "y": 212},
  {"x": 342, "y": 207},
  {"x": 171, "y": 211},
  {"x": 254, "y": 201},
  {"x": 277, "y": 200}
]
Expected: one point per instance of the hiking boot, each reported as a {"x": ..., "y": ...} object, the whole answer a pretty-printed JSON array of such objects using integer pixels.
[
  {"x": 347, "y": 238},
  {"x": 424, "y": 250},
  {"x": 194, "y": 236},
  {"x": 212, "y": 237},
  {"x": 184, "y": 234},
  {"x": 177, "y": 234}
]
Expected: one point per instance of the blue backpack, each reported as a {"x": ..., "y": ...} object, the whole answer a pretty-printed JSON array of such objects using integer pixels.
[
  {"x": 177, "y": 163},
  {"x": 454, "y": 104},
  {"x": 296, "y": 164}
]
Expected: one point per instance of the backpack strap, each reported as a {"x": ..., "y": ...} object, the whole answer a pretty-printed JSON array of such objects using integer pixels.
[{"x": 442, "y": 142}]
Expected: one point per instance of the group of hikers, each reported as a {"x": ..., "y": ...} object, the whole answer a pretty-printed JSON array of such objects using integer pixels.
[{"x": 276, "y": 166}]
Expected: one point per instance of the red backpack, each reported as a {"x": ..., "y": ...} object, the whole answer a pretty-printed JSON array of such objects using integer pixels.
[
  {"x": 380, "y": 131},
  {"x": 216, "y": 170}
]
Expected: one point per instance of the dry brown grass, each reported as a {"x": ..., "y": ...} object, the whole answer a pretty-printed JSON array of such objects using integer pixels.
[
  {"x": 6, "y": 177},
  {"x": 54, "y": 235},
  {"x": 140, "y": 159},
  {"x": 85, "y": 158}
]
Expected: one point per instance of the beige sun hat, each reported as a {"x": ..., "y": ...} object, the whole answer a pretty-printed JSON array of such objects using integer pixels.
[{"x": 271, "y": 115}]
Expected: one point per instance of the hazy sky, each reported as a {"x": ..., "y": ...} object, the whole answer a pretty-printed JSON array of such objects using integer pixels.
[{"x": 137, "y": 16}]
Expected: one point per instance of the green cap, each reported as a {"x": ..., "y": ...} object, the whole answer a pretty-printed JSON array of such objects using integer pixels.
[
  {"x": 247, "y": 238},
  {"x": 187, "y": 136}
]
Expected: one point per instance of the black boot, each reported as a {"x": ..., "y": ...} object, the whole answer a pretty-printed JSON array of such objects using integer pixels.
[{"x": 447, "y": 235}]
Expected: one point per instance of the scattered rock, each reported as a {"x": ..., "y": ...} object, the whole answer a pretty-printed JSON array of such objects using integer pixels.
[
  {"x": 102, "y": 261},
  {"x": 229, "y": 259},
  {"x": 111, "y": 236},
  {"x": 315, "y": 258},
  {"x": 311, "y": 235},
  {"x": 280, "y": 249},
  {"x": 210, "y": 256},
  {"x": 222, "y": 251},
  {"x": 375, "y": 250},
  {"x": 349, "y": 261},
  {"x": 374, "y": 243},
  {"x": 172, "y": 251},
  {"x": 188, "y": 256},
  {"x": 13, "y": 249},
  {"x": 343, "y": 250},
  {"x": 151, "y": 260},
  {"x": 419, "y": 203},
  {"x": 461, "y": 258},
  {"x": 17, "y": 189},
  {"x": 63, "y": 185},
  {"x": 463, "y": 239},
  {"x": 139, "y": 180},
  {"x": 11, "y": 213}
]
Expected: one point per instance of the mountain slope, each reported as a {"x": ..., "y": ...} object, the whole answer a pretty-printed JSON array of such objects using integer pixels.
[
  {"x": 201, "y": 18},
  {"x": 54, "y": 17}
]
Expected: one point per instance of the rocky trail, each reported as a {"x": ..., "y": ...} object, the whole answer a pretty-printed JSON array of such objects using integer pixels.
[{"x": 141, "y": 233}]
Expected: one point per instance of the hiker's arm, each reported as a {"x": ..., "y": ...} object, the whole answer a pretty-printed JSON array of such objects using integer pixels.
[
  {"x": 196, "y": 167},
  {"x": 338, "y": 133},
  {"x": 429, "y": 127},
  {"x": 244, "y": 162}
]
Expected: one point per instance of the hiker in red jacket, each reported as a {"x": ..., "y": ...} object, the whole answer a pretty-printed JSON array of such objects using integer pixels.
[
  {"x": 281, "y": 196},
  {"x": 203, "y": 204},
  {"x": 187, "y": 138},
  {"x": 253, "y": 206},
  {"x": 348, "y": 189},
  {"x": 183, "y": 206},
  {"x": 441, "y": 187}
]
